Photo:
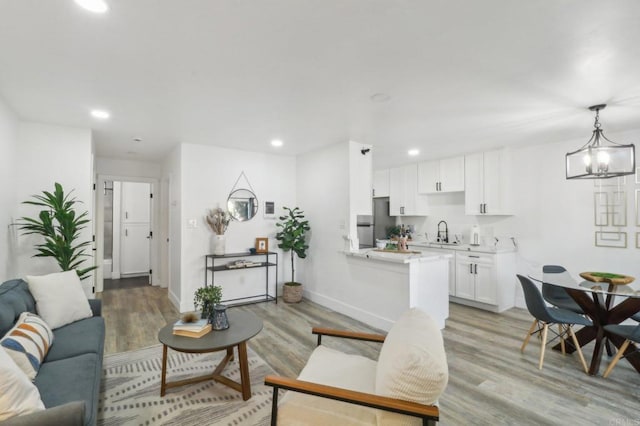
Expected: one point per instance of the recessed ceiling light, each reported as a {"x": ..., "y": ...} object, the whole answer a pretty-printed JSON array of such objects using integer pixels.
[
  {"x": 95, "y": 6},
  {"x": 380, "y": 97},
  {"x": 413, "y": 152},
  {"x": 276, "y": 142},
  {"x": 101, "y": 114}
]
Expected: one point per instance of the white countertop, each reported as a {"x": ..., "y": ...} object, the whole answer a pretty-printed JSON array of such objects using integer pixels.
[
  {"x": 503, "y": 247},
  {"x": 422, "y": 256}
]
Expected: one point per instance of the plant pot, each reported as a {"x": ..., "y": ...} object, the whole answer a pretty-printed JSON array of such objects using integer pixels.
[{"x": 292, "y": 292}]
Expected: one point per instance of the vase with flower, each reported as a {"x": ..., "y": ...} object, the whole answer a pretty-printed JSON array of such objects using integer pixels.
[{"x": 218, "y": 221}]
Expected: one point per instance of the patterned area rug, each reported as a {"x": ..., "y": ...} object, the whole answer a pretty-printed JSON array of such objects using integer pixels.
[{"x": 130, "y": 393}]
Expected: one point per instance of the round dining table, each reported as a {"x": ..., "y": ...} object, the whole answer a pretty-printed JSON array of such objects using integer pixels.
[{"x": 598, "y": 301}]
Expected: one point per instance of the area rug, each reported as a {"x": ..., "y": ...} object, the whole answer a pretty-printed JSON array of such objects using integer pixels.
[{"x": 130, "y": 393}]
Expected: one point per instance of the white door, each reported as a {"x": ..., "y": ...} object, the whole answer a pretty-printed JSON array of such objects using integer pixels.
[
  {"x": 429, "y": 177},
  {"x": 134, "y": 249},
  {"x": 465, "y": 279},
  {"x": 396, "y": 191},
  {"x": 493, "y": 183},
  {"x": 135, "y": 234},
  {"x": 485, "y": 284},
  {"x": 473, "y": 183},
  {"x": 381, "y": 183}
]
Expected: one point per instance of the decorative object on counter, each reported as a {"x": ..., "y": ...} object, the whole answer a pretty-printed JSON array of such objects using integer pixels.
[
  {"x": 292, "y": 238},
  {"x": 206, "y": 298},
  {"x": 599, "y": 277},
  {"x": 242, "y": 203},
  {"x": 60, "y": 226},
  {"x": 381, "y": 244},
  {"x": 595, "y": 160},
  {"x": 393, "y": 231},
  {"x": 218, "y": 221},
  {"x": 220, "y": 320},
  {"x": 262, "y": 245},
  {"x": 474, "y": 237},
  {"x": 402, "y": 244},
  {"x": 252, "y": 250}
]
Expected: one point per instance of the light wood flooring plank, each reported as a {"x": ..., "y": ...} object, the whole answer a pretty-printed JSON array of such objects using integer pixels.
[{"x": 490, "y": 381}]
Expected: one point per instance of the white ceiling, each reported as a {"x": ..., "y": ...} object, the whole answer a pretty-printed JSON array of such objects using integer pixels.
[{"x": 462, "y": 75}]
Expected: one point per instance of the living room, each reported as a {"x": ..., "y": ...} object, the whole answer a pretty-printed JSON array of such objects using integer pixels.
[{"x": 206, "y": 89}]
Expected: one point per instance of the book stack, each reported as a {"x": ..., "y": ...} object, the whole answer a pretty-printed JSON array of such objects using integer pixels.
[{"x": 191, "y": 329}]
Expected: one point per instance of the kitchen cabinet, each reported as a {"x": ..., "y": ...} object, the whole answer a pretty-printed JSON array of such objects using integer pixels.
[
  {"x": 404, "y": 199},
  {"x": 487, "y": 183},
  {"x": 439, "y": 176},
  {"x": 485, "y": 280},
  {"x": 381, "y": 183},
  {"x": 452, "y": 262}
]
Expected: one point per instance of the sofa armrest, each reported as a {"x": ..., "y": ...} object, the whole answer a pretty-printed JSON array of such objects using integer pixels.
[
  {"x": 355, "y": 335},
  {"x": 70, "y": 414},
  {"x": 428, "y": 413},
  {"x": 96, "y": 307}
]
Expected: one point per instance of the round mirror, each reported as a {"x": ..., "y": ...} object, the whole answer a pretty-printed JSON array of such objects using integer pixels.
[{"x": 242, "y": 204}]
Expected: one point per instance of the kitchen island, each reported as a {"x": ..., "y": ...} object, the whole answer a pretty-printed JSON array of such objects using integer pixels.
[{"x": 393, "y": 282}]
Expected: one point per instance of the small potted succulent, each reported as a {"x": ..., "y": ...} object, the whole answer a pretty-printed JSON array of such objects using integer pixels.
[{"x": 208, "y": 299}]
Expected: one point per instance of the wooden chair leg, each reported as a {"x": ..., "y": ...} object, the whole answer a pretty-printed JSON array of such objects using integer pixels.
[
  {"x": 526, "y": 339},
  {"x": 615, "y": 360},
  {"x": 543, "y": 344},
  {"x": 577, "y": 345},
  {"x": 561, "y": 333}
]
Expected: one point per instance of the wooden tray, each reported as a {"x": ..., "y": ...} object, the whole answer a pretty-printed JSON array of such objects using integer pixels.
[
  {"x": 398, "y": 251},
  {"x": 606, "y": 277}
]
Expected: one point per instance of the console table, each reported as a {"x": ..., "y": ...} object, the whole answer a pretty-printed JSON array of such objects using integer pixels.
[{"x": 265, "y": 262}]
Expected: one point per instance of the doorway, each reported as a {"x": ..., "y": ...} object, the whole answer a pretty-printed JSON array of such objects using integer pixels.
[{"x": 126, "y": 252}]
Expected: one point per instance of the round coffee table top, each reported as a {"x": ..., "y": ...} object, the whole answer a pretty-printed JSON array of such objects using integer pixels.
[{"x": 242, "y": 327}]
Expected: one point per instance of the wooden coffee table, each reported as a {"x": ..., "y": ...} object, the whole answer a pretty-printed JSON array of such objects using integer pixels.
[{"x": 242, "y": 327}]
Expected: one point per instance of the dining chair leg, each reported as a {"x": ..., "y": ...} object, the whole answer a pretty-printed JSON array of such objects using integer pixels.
[
  {"x": 617, "y": 357},
  {"x": 561, "y": 334},
  {"x": 543, "y": 345},
  {"x": 577, "y": 345},
  {"x": 529, "y": 333}
]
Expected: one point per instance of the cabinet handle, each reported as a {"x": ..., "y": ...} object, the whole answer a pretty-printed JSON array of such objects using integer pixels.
[
  {"x": 437, "y": 189},
  {"x": 126, "y": 215},
  {"x": 401, "y": 210},
  {"x": 471, "y": 268},
  {"x": 485, "y": 208},
  {"x": 373, "y": 192},
  {"x": 439, "y": 186},
  {"x": 481, "y": 208},
  {"x": 126, "y": 232},
  {"x": 475, "y": 257},
  {"x": 475, "y": 268}
]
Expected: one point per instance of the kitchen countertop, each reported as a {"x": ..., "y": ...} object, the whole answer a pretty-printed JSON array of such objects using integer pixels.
[
  {"x": 422, "y": 256},
  {"x": 503, "y": 247}
]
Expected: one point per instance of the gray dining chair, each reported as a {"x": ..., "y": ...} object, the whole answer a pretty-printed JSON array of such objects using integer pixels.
[
  {"x": 558, "y": 296},
  {"x": 544, "y": 316},
  {"x": 629, "y": 332}
]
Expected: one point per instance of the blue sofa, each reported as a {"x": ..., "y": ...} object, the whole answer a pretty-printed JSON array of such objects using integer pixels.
[{"x": 69, "y": 377}]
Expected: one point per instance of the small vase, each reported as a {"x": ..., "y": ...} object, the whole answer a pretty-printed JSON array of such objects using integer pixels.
[
  {"x": 218, "y": 244},
  {"x": 220, "y": 320}
]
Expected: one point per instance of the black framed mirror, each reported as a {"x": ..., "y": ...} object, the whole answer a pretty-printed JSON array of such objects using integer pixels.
[{"x": 242, "y": 204}]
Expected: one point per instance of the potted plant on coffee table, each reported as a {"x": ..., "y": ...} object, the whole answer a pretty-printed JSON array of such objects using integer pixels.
[
  {"x": 206, "y": 298},
  {"x": 292, "y": 238}
]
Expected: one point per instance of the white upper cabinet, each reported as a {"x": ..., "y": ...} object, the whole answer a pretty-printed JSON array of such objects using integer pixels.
[
  {"x": 404, "y": 199},
  {"x": 437, "y": 176},
  {"x": 381, "y": 183},
  {"x": 487, "y": 183}
]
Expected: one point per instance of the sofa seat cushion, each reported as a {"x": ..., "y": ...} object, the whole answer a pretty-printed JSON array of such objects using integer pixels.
[
  {"x": 80, "y": 337},
  {"x": 332, "y": 368},
  {"x": 72, "y": 379},
  {"x": 412, "y": 365}
]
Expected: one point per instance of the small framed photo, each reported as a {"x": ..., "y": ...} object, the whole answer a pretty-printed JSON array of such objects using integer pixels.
[{"x": 262, "y": 245}]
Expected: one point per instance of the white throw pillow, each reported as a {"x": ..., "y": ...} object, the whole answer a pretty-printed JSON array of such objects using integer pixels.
[
  {"x": 412, "y": 365},
  {"x": 17, "y": 394},
  {"x": 60, "y": 299},
  {"x": 28, "y": 342}
]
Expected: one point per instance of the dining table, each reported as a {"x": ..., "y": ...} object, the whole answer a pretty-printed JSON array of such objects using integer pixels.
[{"x": 604, "y": 303}]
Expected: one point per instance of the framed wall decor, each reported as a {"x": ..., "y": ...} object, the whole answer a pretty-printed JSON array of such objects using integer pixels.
[
  {"x": 611, "y": 239},
  {"x": 262, "y": 245}
]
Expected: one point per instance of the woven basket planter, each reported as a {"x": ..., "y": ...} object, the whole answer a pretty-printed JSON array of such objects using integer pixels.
[{"x": 292, "y": 293}]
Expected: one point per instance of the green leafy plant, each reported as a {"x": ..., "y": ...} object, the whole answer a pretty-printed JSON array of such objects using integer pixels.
[
  {"x": 292, "y": 237},
  {"x": 60, "y": 226},
  {"x": 393, "y": 231},
  {"x": 205, "y": 298}
]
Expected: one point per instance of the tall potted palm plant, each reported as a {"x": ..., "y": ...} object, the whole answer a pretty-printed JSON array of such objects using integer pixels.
[
  {"x": 60, "y": 226},
  {"x": 292, "y": 238}
]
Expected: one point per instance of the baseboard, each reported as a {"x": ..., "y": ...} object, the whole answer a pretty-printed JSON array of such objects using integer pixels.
[
  {"x": 349, "y": 310},
  {"x": 174, "y": 300}
]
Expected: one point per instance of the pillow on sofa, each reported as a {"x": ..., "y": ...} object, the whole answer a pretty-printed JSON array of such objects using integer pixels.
[
  {"x": 28, "y": 342},
  {"x": 412, "y": 364},
  {"x": 60, "y": 299},
  {"x": 17, "y": 394}
]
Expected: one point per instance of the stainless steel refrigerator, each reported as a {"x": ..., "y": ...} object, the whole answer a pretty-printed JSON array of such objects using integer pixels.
[{"x": 381, "y": 218}]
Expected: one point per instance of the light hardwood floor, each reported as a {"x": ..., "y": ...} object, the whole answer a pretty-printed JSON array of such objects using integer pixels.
[{"x": 490, "y": 381}]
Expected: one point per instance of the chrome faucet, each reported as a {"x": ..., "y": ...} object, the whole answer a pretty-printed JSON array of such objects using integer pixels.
[{"x": 443, "y": 238}]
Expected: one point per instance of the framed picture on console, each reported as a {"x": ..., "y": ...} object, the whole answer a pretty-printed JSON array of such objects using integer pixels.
[{"x": 262, "y": 245}]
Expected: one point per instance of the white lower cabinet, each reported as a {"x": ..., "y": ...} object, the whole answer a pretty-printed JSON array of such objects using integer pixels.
[{"x": 485, "y": 280}]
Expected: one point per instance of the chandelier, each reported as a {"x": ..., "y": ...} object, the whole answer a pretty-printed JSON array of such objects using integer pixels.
[{"x": 597, "y": 160}]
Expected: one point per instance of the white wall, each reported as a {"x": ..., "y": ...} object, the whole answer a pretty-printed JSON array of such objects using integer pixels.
[
  {"x": 171, "y": 252},
  {"x": 128, "y": 168},
  {"x": 47, "y": 154},
  {"x": 8, "y": 232}
]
